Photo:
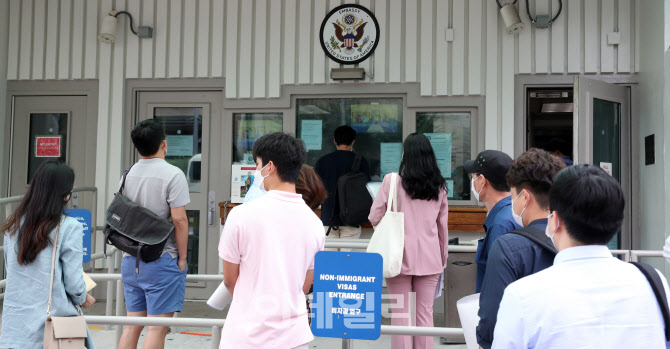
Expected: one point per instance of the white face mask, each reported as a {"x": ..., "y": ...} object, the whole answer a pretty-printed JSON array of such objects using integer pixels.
[
  {"x": 472, "y": 187},
  {"x": 262, "y": 178},
  {"x": 258, "y": 180},
  {"x": 546, "y": 230},
  {"x": 517, "y": 217}
]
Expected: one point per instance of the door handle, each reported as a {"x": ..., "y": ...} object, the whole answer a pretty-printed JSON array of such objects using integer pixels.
[
  {"x": 461, "y": 263},
  {"x": 211, "y": 209}
]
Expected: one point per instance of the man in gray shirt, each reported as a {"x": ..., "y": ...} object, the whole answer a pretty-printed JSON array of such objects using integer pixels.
[{"x": 159, "y": 287}]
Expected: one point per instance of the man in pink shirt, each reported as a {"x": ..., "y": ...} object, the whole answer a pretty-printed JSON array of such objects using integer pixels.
[{"x": 268, "y": 249}]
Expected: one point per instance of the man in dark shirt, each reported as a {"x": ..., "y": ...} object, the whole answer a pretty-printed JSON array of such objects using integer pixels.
[
  {"x": 330, "y": 168},
  {"x": 513, "y": 256},
  {"x": 487, "y": 173}
]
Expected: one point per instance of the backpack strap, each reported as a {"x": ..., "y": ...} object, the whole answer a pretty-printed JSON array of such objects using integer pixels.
[
  {"x": 356, "y": 167},
  {"x": 537, "y": 236},
  {"x": 123, "y": 183},
  {"x": 659, "y": 291}
]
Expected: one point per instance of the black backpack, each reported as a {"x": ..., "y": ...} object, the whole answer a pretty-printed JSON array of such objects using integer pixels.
[
  {"x": 537, "y": 236},
  {"x": 352, "y": 200},
  {"x": 134, "y": 229}
]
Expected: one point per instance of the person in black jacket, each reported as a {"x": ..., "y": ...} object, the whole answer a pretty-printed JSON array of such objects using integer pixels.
[
  {"x": 514, "y": 256},
  {"x": 330, "y": 168}
]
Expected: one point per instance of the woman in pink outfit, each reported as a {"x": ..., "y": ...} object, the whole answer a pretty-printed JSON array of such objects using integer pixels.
[{"x": 422, "y": 197}]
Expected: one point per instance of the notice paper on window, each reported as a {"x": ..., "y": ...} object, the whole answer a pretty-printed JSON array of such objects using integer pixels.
[
  {"x": 311, "y": 133},
  {"x": 441, "y": 143},
  {"x": 450, "y": 189},
  {"x": 180, "y": 145},
  {"x": 391, "y": 155}
]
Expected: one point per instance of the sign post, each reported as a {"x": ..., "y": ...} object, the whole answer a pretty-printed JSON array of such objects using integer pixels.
[
  {"x": 347, "y": 295},
  {"x": 83, "y": 216}
]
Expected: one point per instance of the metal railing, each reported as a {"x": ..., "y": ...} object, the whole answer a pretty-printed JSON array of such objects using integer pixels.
[{"x": 217, "y": 324}]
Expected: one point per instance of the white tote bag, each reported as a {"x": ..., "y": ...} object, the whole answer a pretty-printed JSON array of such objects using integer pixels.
[{"x": 389, "y": 237}]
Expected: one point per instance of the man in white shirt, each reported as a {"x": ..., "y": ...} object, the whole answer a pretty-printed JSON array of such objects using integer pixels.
[{"x": 588, "y": 298}]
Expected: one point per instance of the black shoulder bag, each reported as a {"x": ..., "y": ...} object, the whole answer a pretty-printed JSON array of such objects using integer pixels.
[{"x": 134, "y": 229}]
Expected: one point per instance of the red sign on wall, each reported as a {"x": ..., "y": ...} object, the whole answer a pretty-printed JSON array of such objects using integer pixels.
[{"x": 47, "y": 147}]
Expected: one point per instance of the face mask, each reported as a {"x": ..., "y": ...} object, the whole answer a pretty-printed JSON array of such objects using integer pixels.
[
  {"x": 258, "y": 180},
  {"x": 517, "y": 218},
  {"x": 262, "y": 178},
  {"x": 472, "y": 187},
  {"x": 546, "y": 230}
]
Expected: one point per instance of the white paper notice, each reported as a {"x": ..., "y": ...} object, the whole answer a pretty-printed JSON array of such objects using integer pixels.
[
  {"x": 391, "y": 155},
  {"x": 311, "y": 134},
  {"x": 179, "y": 145},
  {"x": 450, "y": 189},
  {"x": 441, "y": 143},
  {"x": 607, "y": 166}
]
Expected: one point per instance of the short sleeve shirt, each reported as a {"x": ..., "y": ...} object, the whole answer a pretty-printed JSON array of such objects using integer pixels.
[
  {"x": 274, "y": 240},
  {"x": 158, "y": 186}
]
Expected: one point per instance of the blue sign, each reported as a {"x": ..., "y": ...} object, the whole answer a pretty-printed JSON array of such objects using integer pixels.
[
  {"x": 347, "y": 295},
  {"x": 83, "y": 216}
]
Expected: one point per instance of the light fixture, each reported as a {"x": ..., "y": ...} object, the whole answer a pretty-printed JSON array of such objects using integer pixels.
[
  {"x": 511, "y": 18},
  {"x": 108, "y": 27}
]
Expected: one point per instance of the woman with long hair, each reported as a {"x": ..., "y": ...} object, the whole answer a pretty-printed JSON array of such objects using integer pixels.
[
  {"x": 310, "y": 186},
  {"x": 29, "y": 235},
  {"x": 422, "y": 197}
]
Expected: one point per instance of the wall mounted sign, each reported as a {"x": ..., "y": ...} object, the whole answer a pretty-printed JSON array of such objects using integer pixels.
[
  {"x": 349, "y": 34},
  {"x": 47, "y": 147}
]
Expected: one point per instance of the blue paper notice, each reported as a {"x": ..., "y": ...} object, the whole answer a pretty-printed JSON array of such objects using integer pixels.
[
  {"x": 441, "y": 143},
  {"x": 83, "y": 216},
  {"x": 347, "y": 295},
  {"x": 391, "y": 155},
  {"x": 311, "y": 133}
]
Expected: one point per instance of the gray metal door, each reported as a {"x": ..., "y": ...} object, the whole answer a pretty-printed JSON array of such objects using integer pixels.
[
  {"x": 189, "y": 119},
  {"x": 51, "y": 127},
  {"x": 602, "y": 137}
]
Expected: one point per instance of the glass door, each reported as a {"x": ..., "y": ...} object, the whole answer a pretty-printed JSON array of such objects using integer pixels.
[
  {"x": 602, "y": 138},
  {"x": 187, "y": 120}
]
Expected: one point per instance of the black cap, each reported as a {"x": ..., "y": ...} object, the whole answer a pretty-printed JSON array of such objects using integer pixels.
[{"x": 493, "y": 164}]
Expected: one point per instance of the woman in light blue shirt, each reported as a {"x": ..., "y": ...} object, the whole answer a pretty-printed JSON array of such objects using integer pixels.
[{"x": 29, "y": 234}]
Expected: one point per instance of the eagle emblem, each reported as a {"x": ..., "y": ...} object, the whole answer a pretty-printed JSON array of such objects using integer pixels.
[{"x": 348, "y": 32}]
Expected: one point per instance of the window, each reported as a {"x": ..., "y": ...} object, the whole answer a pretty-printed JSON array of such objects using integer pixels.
[
  {"x": 248, "y": 128},
  {"x": 377, "y": 121},
  {"x": 183, "y": 132},
  {"x": 450, "y": 135},
  {"x": 48, "y": 139}
]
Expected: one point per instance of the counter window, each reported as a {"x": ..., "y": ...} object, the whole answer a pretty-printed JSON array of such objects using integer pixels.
[
  {"x": 450, "y": 135},
  {"x": 377, "y": 121},
  {"x": 248, "y": 128}
]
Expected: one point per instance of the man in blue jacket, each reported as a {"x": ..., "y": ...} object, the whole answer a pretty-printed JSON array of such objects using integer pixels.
[
  {"x": 488, "y": 184},
  {"x": 512, "y": 255}
]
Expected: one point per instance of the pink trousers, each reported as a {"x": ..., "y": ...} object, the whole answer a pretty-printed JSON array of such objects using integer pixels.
[{"x": 424, "y": 288}]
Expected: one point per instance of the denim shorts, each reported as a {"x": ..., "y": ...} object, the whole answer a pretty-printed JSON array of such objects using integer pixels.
[{"x": 158, "y": 288}]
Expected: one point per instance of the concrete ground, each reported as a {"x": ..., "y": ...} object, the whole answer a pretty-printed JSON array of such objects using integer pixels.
[{"x": 193, "y": 338}]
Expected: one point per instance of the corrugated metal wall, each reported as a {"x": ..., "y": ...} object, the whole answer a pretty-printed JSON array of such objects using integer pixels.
[{"x": 258, "y": 45}]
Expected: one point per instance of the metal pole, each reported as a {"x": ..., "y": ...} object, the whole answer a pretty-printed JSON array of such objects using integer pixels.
[
  {"x": 347, "y": 343},
  {"x": 119, "y": 301},
  {"x": 216, "y": 336},
  {"x": 110, "y": 289},
  {"x": 93, "y": 228}
]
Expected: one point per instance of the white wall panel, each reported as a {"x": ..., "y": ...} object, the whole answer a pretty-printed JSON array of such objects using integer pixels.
[
  {"x": 232, "y": 14},
  {"x": 305, "y": 33},
  {"x": 475, "y": 46},
  {"x": 624, "y": 50},
  {"x": 161, "y": 34},
  {"x": 260, "y": 56},
  {"x": 525, "y": 40},
  {"x": 395, "y": 27},
  {"x": 244, "y": 55},
  {"x": 64, "y": 41},
  {"x": 381, "y": 12},
  {"x": 38, "y": 31},
  {"x": 147, "y": 46},
  {"x": 204, "y": 46},
  {"x": 458, "y": 48},
  {"x": 427, "y": 47},
  {"x": 188, "y": 40},
  {"x": 575, "y": 35},
  {"x": 78, "y": 39},
  {"x": 558, "y": 44},
  {"x": 26, "y": 39},
  {"x": 174, "y": 41},
  {"x": 319, "y": 64},
  {"x": 218, "y": 38},
  {"x": 411, "y": 39},
  {"x": 366, "y": 63},
  {"x": 542, "y": 40},
  {"x": 14, "y": 39},
  {"x": 91, "y": 57},
  {"x": 132, "y": 41},
  {"x": 441, "y": 49},
  {"x": 274, "y": 66},
  {"x": 606, "y": 26},
  {"x": 493, "y": 28},
  {"x": 591, "y": 40}
]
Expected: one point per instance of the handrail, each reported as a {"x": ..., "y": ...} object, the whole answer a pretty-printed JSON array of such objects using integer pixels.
[{"x": 216, "y": 325}]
